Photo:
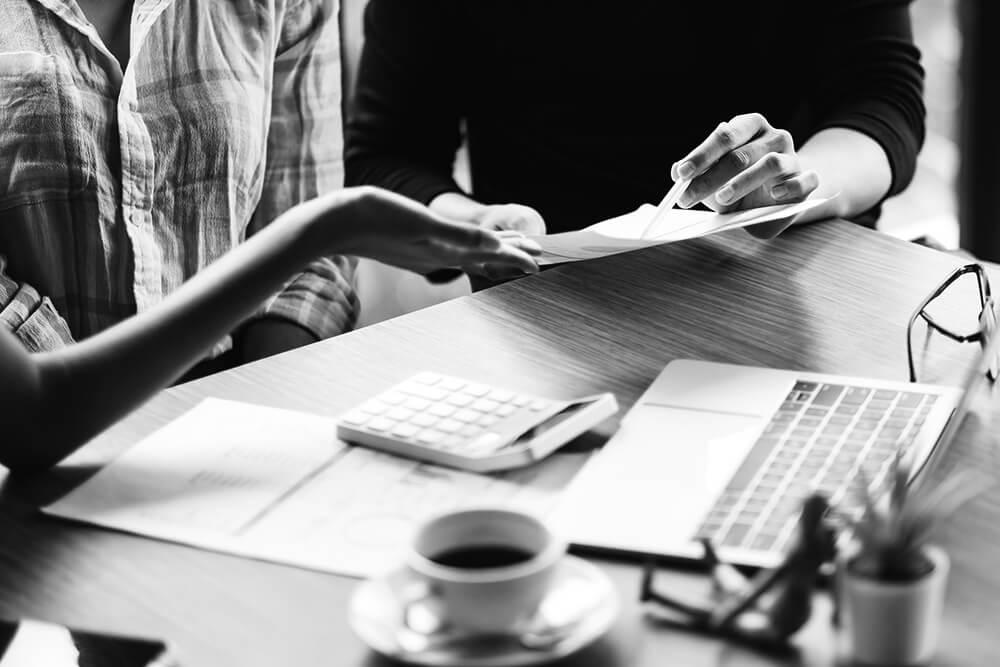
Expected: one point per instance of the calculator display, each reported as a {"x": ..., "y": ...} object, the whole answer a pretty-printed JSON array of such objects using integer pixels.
[{"x": 554, "y": 420}]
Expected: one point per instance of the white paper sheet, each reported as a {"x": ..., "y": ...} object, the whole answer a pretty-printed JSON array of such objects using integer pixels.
[
  {"x": 277, "y": 485},
  {"x": 625, "y": 232},
  {"x": 37, "y": 644}
]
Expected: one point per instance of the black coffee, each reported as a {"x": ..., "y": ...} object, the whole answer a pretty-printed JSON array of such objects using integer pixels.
[{"x": 482, "y": 556}]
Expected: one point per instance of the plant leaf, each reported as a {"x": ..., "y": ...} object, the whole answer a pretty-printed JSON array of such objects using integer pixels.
[
  {"x": 893, "y": 522},
  {"x": 863, "y": 491},
  {"x": 900, "y": 477},
  {"x": 944, "y": 500}
]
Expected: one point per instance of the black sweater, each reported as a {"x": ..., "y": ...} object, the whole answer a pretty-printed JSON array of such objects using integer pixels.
[{"x": 579, "y": 108}]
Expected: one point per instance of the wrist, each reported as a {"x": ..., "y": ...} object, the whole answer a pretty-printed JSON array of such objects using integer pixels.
[
  {"x": 459, "y": 207},
  {"x": 325, "y": 222}
]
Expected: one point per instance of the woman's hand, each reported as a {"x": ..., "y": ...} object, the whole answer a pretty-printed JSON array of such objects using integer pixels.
[
  {"x": 511, "y": 221},
  {"x": 743, "y": 164},
  {"x": 395, "y": 230}
]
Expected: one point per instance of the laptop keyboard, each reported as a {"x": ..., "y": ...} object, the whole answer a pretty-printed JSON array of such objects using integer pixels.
[{"x": 816, "y": 441}]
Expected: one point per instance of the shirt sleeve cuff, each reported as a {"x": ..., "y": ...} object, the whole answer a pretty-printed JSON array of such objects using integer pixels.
[
  {"x": 43, "y": 329},
  {"x": 321, "y": 300},
  {"x": 882, "y": 123}
]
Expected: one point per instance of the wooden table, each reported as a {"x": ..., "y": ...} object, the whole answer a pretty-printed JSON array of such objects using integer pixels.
[{"x": 831, "y": 298}]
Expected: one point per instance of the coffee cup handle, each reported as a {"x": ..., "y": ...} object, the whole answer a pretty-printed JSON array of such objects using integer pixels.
[{"x": 420, "y": 603}]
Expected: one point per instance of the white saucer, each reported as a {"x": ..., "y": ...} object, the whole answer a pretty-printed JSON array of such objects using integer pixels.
[{"x": 376, "y": 616}]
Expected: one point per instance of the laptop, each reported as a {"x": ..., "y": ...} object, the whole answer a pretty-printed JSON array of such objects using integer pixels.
[{"x": 728, "y": 452}]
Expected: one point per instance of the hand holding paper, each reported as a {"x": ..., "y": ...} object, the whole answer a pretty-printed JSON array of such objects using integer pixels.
[
  {"x": 744, "y": 163},
  {"x": 639, "y": 229}
]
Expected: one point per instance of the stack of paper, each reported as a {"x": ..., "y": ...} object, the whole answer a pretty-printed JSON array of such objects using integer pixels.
[
  {"x": 277, "y": 485},
  {"x": 626, "y": 232}
]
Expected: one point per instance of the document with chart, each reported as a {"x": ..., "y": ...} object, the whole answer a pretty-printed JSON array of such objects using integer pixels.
[
  {"x": 629, "y": 232},
  {"x": 277, "y": 485}
]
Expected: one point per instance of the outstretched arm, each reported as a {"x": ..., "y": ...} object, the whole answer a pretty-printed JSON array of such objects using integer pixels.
[{"x": 56, "y": 401}]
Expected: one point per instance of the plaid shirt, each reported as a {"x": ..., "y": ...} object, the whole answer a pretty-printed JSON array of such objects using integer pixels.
[{"x": 117, "y": 187}]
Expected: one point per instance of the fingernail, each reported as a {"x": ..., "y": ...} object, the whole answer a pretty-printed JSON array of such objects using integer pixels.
[
  {"x": 686, "y": 170},
  {"x": 724, "y": 195},
  {"x": 686, "y": 201},
  {"x": 779, "y": 191}
]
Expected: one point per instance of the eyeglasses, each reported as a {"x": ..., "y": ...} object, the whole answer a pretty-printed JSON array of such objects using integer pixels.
[
  {"x": 698, "y": 616},
  {"x": 987, "y": 317}
]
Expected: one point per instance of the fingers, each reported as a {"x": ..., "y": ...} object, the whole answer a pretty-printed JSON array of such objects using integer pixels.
[
  {"x": 776, "y": 173},
  {"x": 406, "y": 234},
  {"x": 733, "y": 163},
  {"x": 796, "y": 188},
  {"x": 498, "y": 272},
  {"x": 462, "y": 235},
  {"x": 724, "y": 139},
  {"x": 744, "y": 163},
  {"x": 513, "y": 260},
  {"x": 516, "y": 258},
  {"x": 518, "y": 240},
  {"x": 513, "y": 253}
]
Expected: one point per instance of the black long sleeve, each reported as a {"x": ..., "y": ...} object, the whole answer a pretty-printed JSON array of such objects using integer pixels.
[
  {"x": 404, "y": 121},
  {"x": 579, "y": 108},
  {"x": 869, "y": 79}
]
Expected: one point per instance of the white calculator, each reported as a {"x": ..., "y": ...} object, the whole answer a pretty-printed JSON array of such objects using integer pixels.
[{"x": 454, "y": 422}]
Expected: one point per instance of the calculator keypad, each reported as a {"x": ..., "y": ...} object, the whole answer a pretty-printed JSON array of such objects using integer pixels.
[{"x": 448, "y": 414}]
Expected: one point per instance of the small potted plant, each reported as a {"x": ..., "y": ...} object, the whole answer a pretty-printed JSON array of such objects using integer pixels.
[{"x": 892, "y": 581}]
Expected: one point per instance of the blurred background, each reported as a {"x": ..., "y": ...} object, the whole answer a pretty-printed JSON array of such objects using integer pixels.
[
  {"x": 927, "y": 210},
  {"x": 928, "y": 206}
]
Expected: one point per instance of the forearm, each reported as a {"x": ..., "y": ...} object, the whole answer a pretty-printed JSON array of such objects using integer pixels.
[
  {"x": 147, "y": 352},
  {"x": 56, "y": 401},
  {"x": 853, "y": 171}
]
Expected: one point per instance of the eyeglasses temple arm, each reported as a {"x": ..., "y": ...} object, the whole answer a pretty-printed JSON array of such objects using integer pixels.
[
  {"x": 699, "y": 615},
  {"x": 730, "y": 608}
]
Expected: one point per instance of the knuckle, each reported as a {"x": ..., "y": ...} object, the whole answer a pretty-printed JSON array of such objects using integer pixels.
[
  {"x": 741, "y": 159},
  {"x": 697, "y": 160},
  {"x": 758, "y": 120},
  {"x": 700, "y": 161},
  {"x": 725, "y": 135},
  {"x": 784, "y": 139},
  {"x": 774, "y": 162}
]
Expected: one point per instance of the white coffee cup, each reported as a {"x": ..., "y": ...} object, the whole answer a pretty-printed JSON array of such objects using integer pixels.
[{"x": 482, "y": 570}]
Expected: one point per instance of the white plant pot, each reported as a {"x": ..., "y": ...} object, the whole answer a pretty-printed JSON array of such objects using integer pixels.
[{"x": 893, "y": 623}]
